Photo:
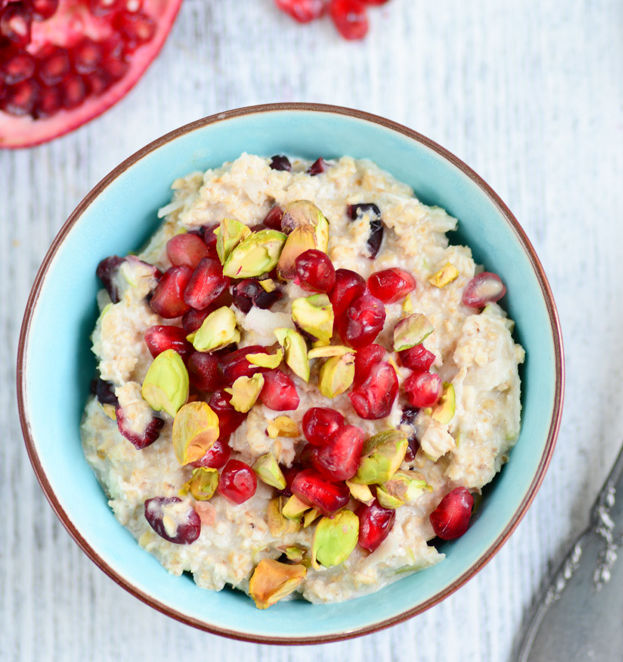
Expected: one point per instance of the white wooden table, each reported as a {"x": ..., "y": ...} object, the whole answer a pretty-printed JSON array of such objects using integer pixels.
[{"x": 530, "y": 94}]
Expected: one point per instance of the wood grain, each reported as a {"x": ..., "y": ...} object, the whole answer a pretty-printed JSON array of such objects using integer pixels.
[{"x": 529, "y": 93}]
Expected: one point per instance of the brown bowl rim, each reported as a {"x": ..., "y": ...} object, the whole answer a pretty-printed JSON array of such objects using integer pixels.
[{"x": 523, "y": 240}]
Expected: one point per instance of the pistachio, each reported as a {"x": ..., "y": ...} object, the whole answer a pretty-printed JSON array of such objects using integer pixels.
[
  {"x": 411, "y": 331},
  {"x": 335, "y": 538},
  {"x": 388, "y": 500},
  {"x": 195, "y": 429},
  {"x": 328, "y": 351},
  {"x": 271, "y": 581},
  {"x": 360, "y": 492},
  {"x": 406, "y": 486},
  {"x": 443, "y": 412},
  {"x": 255, "y": 255},
  {"x": 245, "y": 392},
  {"x": 202, "y": 483},
  {"x": 382, "y": 455},
  {"x": 294, "y": 508},
  {"x": 228, "y": 235},
  {"x": 268, "y": 285},
  {"x": 217, "y": 330},
  {"x": 444, "y": 276},
  {"x": 336, "y": 375},
  {"x": 268, "y": 470},
  {"x": 282, "y": 426},
  {"x": 278, "y": 525},
  {"x": 110, "y": 411},
  {"x": 165, "y": 386},
  {"x": 265, "y": 360},
  {"x": 310, "y": 517},
  {"x": 296, "y": 351},
  {"x": 407, "y": 305},
  {"x": 314, "y": 314},
  {"x": 295, "y": 553}
]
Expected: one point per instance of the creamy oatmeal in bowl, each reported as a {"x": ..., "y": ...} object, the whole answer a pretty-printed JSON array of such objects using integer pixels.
[{"x": 302, "y": 385}]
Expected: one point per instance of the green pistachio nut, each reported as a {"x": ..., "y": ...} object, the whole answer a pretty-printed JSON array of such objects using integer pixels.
[
  {"x": 382, "y": 456},
  {"x": 268, "y": 285},
  {"x": 406, "y": 486},
  {"x": 245, "y": 392},
  {"x": 327, "y": 351},
  {"x": 336, "y": 375},
  {"x": 294, "y": 508},
  {"x": 165, "y": 386},
  {"x": 195, "y": 429},
  {"x": 278, "y": 525},
  {"x": 411, "y": 331},
  {"x": 388, "y": 500},
  {"x": 444, "y": 276},
  {"x": 217, "y": 330},
  {"x": 265, "y": 360},
  {"x": 228, "y": 235},
  {"x": 360, "y": 492},
  {"x": 203, "y": 483},
  {"x": 443, "y": 412},
  {"x": 314, "y": 314},
  {"x": 335, "y": 538},
  {"x": 295, "y": 553},
  {"x": 295, "y": 348},
  {"x": 268, "y": 470},
  {"x": 255, "y": 255},
  {"x": 310, "y": 517},
  {"x": 282, "y": 426},
  {"x": 272, "y": 581}
]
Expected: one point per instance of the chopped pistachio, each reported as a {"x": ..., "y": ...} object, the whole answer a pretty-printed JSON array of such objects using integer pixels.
[
  {"x": 310, "y": 517},
  {"x": 245, "y": 392},
  {"x": 327, "y": 351},
  {"x": 294, "y": 508},
  {"x": 228, "y": 235},
  {"x": 202, "y": 483},
  {"x": 195, "y": 429},
  {"x": 255, "y": 255},
  {"x": 268, "y": 285},
  {"x": 443, "y": 412},
  {"x": 271, "y": 581},
  {"x": 268, "y": 470},
  {"x": 444, "y": 276},
  {"x": 335, "y": 538},
  {"x": 295, "y": 348},
  {"x": 411, "y": 331},
  {"x": 217, "y": 330},
  {"x": 295, "y": 553},
  {"x": 282, "y": 426},
  {"x": 406, "y": 486},
  {"x": 336, "y": 375},
  {"x": 314, "y": 314},
  {"x": 360, "y": 492},
  {"x": 110, "y": 411},
  {"x": 166, "y": 383},
  {"x": 278, "y": 525},
  {"x": 382, "y": 455},
  {"x": 265, "y": 360},
  {"x": 407, "y": 305},
  {"x": 388, "y": 500}
]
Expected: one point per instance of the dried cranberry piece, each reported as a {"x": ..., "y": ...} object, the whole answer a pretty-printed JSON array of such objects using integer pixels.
[
  {"x": 280, "y": 162},
  {"x": 162, "y": 337},
  {"x": 139, "y": 439},
  {"x": 248, "y": 292},
  {"x": 279, "y": 392},
  {"x": 237, "y": 481},
  {"x": 375, "y": 523},
  {"x": 104, "y": 392},
  {"x": 188, "y": 527},
  {"x": 450, "y": 519},
  {"x": 107, "y": 271},
  {"x": 316, "y": 491},
  {"x": 317, "y": 167},
  {"x": 375, "y": 238},
  {"x": 374, "y": 398},
  {"x": 348, "y": 286},
  {"x": 339, "y": 458},
  {"x": 273, "y": 218},
  {"x": 320, "y": 424}
]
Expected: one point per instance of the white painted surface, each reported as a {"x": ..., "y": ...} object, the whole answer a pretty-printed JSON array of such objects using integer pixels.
[{"x": 530, "y": 94}]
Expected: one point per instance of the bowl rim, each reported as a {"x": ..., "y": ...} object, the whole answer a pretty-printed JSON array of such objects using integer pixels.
[{"x": 293, "y": 107}]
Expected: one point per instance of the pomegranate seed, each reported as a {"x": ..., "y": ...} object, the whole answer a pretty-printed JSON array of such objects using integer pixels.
[
  {"x": 416, "y": 358},
  {"x": 216, "y": 457},
  {"x": 422, "y": 389},
  {"x": 187, "y": 248},
  {"x": 289, "y": 473},
  {"x": 365, "y": 358},
  {"x": 102, "y": 7},
  {"x": 320, "y": 424},
  {"x": 53, "y": 65},
  {"x": 280, "y": 162},
  {"x": 107, "y": 271},
  {"x": 363, "y": 321},
  {"x": 279, "y": 392},
  {"x": 339, "y": 458},
  {"x": 483, "y": 289},
  {"x": 15, "y": 23},
  {"x": 104, "y": 392},
  {"x": 43, "y": 9},
  {"x": 48, "y": 103},
  {"x": 237, "y": 481},
  {"x": 374, "y": 2},
  {"x": 248, "y": 293},
  {"x": 234, "y": 364},
  {"x": 168, "y": 300},
  {"x": 188, "y": 526},
  {"x": 160, "y": 338},
  {"x": 210, "y": 238},
  {"x": 203, "y": 371},
  {"x": 377, "y": 229},
  {"x": 302, "y": 11},
  {"x": 86, "y": 56},
  {"x": 114, "y": 69},
  {"x": 17, "y": 67},
  {"x": 350, "y": 18},
  {"x": 206, "y": 284},
  {"x": 348, "y": 286},
  {"x": 391, "y": 285},
  {"x": 273, "y": 218},
  {"x": 374, "y": 398},
  {"x": 73, "y": 91},
  {"x": 143, "y": 438},
  {"x": 97, "y": 82},
  {"x": 316, "y": 491},
  {"x": 136, "y": 28},
  {"x": 193, "y": 319},
  {"x": 450, "y": 519},
  {"x": 317, "y": 167},
  {"x": 375, "y": 523},
  {"x": 132, "y": 6},
  {"x": 315, "y": 271},
  {"x": 21, "y": 98},
  {"x": 229, "y": 419}
]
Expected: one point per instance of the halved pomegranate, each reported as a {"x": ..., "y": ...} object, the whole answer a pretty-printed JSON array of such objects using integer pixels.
[{"x": 88, "y": 54}]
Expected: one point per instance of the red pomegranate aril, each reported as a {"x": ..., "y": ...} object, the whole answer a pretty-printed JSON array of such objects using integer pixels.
[
  {"x": 273, "y": 218},
  {"x": 114, "y": 68},
  {"x": 102, "y": 7},
  {"x": 86, "y": 56},
  {"x": 193, "y": 319},
  {"x": 140, "y": 439},
  {"x": 416, "y": 358},
  {"x": 73, "y": 91},
  {"x": 53, "y": 64},
  {"x": 365, "y": 358},
  {"x": 279, "y": 392},
  {"x": 104, "y": 392},
  {"x": 374, "y": 397},
  {"x": 107, "y": 271},
  {"x": 210, "y": 238},
  {"x": 97, "y": 82},
  {"x": 20, "y": 99},
  {"x": 363, "y": 321},
  {"x": 423, "y": 389},
  {"x": 17, "y": 67},
  {"x": 203, "y": 371},
  {"x": 348, "y": 286},
  {"x": 339, "y": 458},
  {"x": 168, "y": 299},
  {"x": 280, "y": 162},
  {"x": 318, "y": 492},
  {"x": 450, "y": 519},
  {"x": 320, "y": 424},
  {"x": 188, "y": 528},
  {"x": 350, "y": 18},
  {"x": 391, "y": 285},
  {"x": 206, "y": 284},
  {"x": 315, "y": 271},
  {"x": 302, "y": 11},
  {"x": 237, "y": 481},
  {"x": 375, "y": 523},
  {"x": 234, "y": 364},
  {"x": 188, "y": 249},
  {"x": 49, "y": 102},
  {"x": 483, "y": 289},
  {"x": 228, "y": 418},
  {"x": 377, "y": 229},
  {"x": 15, "y": 23},
  {"x": 317, "y": 167},
  {"x": 162, "y": 337},
  {"x": 216, "y": 457},
  {"x": 374, "y": 2},
  {"x": 43, "y": 9},
  {"x": 136, "y": 28}
]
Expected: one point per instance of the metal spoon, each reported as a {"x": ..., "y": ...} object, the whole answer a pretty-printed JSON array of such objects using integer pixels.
[{"x": 579, "y": 616}]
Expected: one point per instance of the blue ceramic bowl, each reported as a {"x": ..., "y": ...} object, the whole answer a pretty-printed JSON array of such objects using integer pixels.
[{"x": 120, "y": 213}]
